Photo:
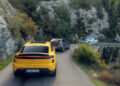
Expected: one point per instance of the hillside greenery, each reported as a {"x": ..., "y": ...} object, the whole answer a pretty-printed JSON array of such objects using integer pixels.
[
  {"x": 99, "y": 73},
  {"x": 27, "y": 6},
  {"x": 86, "y": 54},
  {"x": 21, "y": 25},
  {"x": 52, "y": 27},
  {"x": 85, "y": 4},
  {"x": 113, "y": 9}
]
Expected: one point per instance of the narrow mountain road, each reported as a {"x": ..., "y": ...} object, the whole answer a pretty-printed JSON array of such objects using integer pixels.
[{"x": 68, "y": 74}]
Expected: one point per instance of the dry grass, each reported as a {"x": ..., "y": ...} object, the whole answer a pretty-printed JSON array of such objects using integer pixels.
[
  {"x": 0, "y": 3},
  {"x": 106, "y": 76},
  {"x": 117, "y": 78}
]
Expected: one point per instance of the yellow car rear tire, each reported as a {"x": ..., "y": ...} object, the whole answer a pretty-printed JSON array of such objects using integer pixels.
[
  {"x": 53, "y": 73},
  {"x": 16, "y": 74}
]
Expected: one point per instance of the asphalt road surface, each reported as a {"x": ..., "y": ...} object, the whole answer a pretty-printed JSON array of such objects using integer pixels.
[{"x": 68, "y": 74}]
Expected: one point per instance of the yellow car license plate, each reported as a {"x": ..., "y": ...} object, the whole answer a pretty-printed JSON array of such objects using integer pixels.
[{"x": 32, "y": 70}]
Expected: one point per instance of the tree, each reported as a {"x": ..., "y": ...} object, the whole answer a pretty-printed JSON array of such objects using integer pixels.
[
  {"x": 62, "y": 12},
  {"x": 22, "y": 25},
  {"x": 112, "y": 7},
  {"x": 28, "y": 26},
  {"x": 27, "y": 6},
  {"x": 62, "y": 30}
]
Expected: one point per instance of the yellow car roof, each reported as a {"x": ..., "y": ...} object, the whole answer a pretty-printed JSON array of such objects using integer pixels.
[{"x": 37, "y": 44}]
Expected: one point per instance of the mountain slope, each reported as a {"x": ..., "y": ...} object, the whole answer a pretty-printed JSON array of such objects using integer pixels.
[{"x": 14, "y": 28}]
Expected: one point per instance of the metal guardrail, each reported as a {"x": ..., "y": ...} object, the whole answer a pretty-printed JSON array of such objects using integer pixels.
[{"x": 110, "y": 55}]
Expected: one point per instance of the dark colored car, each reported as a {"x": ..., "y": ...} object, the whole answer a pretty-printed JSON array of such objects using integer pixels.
[{"x": 60, "y": 44}]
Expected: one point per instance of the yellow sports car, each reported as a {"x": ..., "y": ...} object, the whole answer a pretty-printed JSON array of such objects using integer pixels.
[{"x": 35, "y": 58}]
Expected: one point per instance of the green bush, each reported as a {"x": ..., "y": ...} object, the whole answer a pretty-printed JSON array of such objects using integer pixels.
[
  {"x": 85, "y": 54},
  {"x": 62, "y": 30}
]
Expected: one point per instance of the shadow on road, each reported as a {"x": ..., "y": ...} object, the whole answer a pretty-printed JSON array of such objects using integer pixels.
[{"x": 30, "y": 80}]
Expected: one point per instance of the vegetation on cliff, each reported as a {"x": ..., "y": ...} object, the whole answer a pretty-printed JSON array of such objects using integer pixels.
[{"x": 42, "y": 18}]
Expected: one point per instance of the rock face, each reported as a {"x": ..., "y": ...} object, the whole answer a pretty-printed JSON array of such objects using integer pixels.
[{"x": 7, "y": 43}]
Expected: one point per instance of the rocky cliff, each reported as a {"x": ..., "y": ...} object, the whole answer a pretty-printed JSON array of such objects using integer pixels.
[{"x": 7, "y": 42}]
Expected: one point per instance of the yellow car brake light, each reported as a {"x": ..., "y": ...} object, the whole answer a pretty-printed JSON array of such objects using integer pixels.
[{"x": 34, "y": 57}]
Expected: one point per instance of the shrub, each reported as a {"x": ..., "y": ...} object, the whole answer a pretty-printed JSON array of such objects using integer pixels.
[
  {"x": 28, "y": 28},
  {"x": 14, "y": 26},
  {"x": 85, "y": 54},
  {"x": 22, "y": 25}
]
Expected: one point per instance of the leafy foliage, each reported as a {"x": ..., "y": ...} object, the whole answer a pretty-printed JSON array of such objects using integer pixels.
[
  {"x": 22, "y": 25},
  {"x": 27, "y": 6},
  {"x": 62, "y": 30},
  {"x": 62, "y": 12},
  {"x": 42, "y": 18},
  {"x": 85, "y": 54},
  {"x": 113, "y": 9}
]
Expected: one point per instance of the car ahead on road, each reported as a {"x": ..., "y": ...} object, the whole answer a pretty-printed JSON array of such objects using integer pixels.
[
  {"x": 60, "y": 44},
  {"x": 89, "y": 40},
  {"x": 35, "y": 58}
]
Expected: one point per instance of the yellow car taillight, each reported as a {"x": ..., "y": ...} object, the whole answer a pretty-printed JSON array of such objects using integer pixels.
[
  {"x": 14, "y": 60},
  {"x": 34, "y": 57},
  {"x": 52, "y": 60}
]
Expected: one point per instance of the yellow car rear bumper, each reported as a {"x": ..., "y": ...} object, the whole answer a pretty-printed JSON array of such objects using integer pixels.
[{"x": 50, "y": 67}]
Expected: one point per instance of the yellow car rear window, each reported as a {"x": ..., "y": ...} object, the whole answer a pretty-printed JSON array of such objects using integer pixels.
[{"x": 35, "y": 49}]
